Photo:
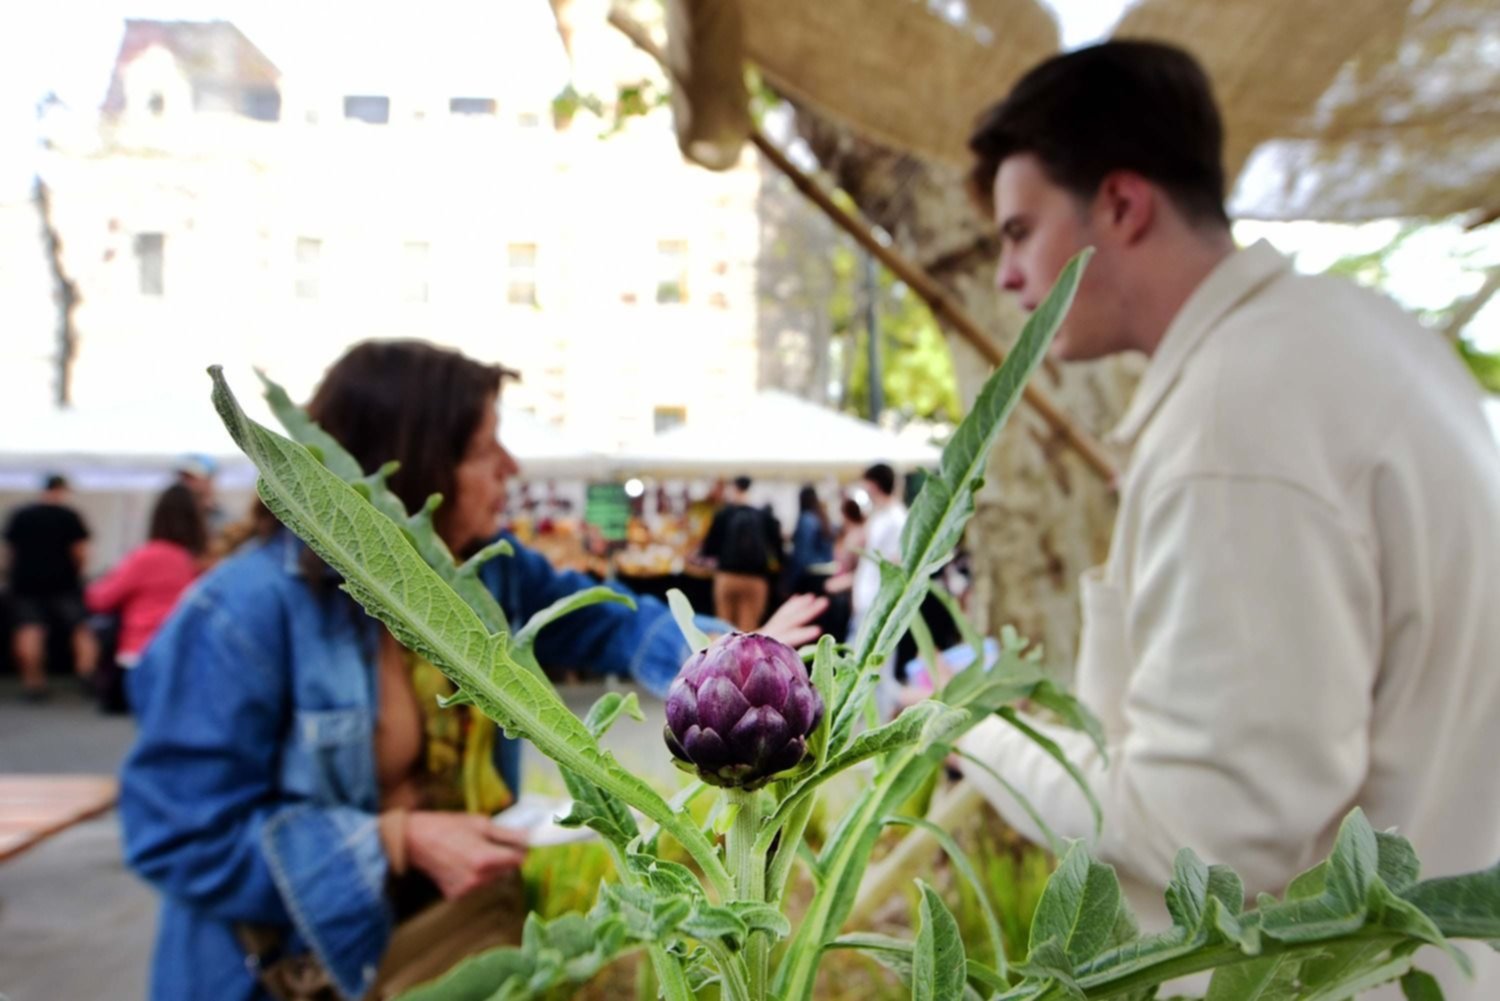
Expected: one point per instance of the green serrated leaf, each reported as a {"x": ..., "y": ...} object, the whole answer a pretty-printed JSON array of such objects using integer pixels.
[
  {"x": 526, "y": 636},
  {"x": 682, "y": 611},
  {"x": 1355, "y": 862},
  {"x": 823, "y": 683},
  {"x": 1078, "y": 907},
  {"x": 966, "y": 870},
  {"x": 1465, "y": 906},
  {"x": 1187, "y": 893},
  {"x": 1398, "y": 866},
  {"x": 937, "y": 517},
  {"x": 938, "y": 971}
]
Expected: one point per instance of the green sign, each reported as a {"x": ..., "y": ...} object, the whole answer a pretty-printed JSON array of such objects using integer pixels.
[{"x": 608, "y": 509}]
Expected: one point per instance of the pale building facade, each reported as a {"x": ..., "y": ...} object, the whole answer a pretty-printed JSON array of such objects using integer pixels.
[{"x": 218, "y": 210}]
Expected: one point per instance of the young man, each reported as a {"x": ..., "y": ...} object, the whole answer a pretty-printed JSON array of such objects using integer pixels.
[
  {"x": 49, "y": 547},
  {"x": 1298, "y": 614}
]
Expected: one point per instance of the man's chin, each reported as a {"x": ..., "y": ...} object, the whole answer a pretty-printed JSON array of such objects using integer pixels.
[{"x": 1062, "y": 348}]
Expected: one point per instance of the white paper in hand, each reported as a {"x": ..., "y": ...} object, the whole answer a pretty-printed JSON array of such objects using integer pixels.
[{"x": 537, "y": 816}]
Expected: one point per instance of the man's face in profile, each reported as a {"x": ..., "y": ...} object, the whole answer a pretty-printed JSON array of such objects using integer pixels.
[{"x": 1042, "y": 226}]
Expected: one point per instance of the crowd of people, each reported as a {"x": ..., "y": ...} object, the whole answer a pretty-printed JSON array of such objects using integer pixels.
[{"x": 753, "y": 561}]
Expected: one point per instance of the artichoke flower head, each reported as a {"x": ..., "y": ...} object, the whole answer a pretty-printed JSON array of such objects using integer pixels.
[{"x": 741, "y": 710}]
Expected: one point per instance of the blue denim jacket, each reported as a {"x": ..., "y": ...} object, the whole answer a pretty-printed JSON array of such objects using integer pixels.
[{"x": 250, "y": 794}]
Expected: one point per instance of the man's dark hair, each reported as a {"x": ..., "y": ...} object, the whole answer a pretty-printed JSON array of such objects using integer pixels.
[
  {"x": 56, "y": 481},
  {"x": 1128, "y": 105},
  {"x": 882, "y": 476},
  {"x": 742, "y": 483}
]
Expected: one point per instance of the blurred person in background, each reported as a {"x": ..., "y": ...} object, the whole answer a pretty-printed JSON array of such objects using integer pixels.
[
  {"x": 812, "y": 540},
  {"x": 846, "y": 546},
  {"x": 143, "y": 589},
  {"x": 883, "y": 525},
  {"x": 196, "y": 472},
  {"x": 296, "y": 793},
  {"x": 744, "y": 547},
  {"x": 48, "y": 551}
]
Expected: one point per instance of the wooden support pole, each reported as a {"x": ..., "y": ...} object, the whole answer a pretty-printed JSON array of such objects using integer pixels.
[{"x": 944, "y": 307}]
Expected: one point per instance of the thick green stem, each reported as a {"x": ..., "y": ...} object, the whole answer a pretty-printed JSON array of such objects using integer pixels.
[{"x": 748, "y": 867}]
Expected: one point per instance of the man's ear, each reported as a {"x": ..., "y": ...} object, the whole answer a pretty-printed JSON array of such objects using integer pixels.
[{"x": 1126, "y": 206}]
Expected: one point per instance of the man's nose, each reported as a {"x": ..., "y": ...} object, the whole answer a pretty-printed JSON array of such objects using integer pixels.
[{"x": 1008, "y": 277}]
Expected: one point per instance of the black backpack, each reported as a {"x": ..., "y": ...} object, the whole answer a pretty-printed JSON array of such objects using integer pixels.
[{"x": 747, "y": 548}]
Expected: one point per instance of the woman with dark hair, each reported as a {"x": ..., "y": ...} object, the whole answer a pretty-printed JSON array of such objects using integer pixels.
[
  {"x": 145, "y": 586},
  {"x": 812, "y": 538},
  {"x": 296, "y": 791}
]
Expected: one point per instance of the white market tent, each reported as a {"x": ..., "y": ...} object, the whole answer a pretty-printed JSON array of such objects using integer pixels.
[
  {"x": 134, "y": 445},
  {"x": 776, "y": 434},
  {"x": 118, "y": 457}
]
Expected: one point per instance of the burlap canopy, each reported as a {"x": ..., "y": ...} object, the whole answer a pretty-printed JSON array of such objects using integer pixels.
[{"x": 1345, "y": 110}]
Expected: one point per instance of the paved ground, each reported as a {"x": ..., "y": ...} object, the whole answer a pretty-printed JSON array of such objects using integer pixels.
[{"x": 74, "y": 924}]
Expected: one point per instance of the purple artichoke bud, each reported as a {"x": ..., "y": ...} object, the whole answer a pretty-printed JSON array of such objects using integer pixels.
[{"x": 741, "y": 711}]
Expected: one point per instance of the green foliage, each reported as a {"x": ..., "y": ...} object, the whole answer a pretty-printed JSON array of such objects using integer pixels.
[
  {"x": 633, "y": 99},
  {"x": 1347, "y": 925},
  {"x": 1484, "y": 365},
  {"x": 916, "y": 364},
  {"x": 812, "y": 281}
]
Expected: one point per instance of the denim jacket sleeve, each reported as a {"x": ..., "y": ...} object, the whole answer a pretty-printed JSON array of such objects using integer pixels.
[
  {"x": 644, "y": 644},
  {"x": 203, "y": 817}
]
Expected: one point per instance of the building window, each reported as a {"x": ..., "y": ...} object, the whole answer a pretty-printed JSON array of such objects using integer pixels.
[
  {"x": 368, "y": 109},
  {"x": 414, "y": 270},
  {"x": 667, "y": 418},
  {"x": 671, "y": 271},
  {"x": 149, "y": 249},
  {"x": 309, "y": 267},
  {"x": 262, "y": 104},
  {"x": 471, "y": 106},
  {"x": 156, "y": 103},
  {"x": 520, "y": 284}
]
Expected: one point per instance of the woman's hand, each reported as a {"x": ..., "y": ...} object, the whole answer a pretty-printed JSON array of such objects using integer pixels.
[
  {"x": 461, "y": 851},
  {"x": 794, "y": 622}
]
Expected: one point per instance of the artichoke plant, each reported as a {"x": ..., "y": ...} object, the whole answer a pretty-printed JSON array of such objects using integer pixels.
[{"x": 740, "y": 711}]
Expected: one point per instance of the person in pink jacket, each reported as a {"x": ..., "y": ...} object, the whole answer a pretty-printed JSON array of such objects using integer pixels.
[{"x": 146, "y": 584}]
